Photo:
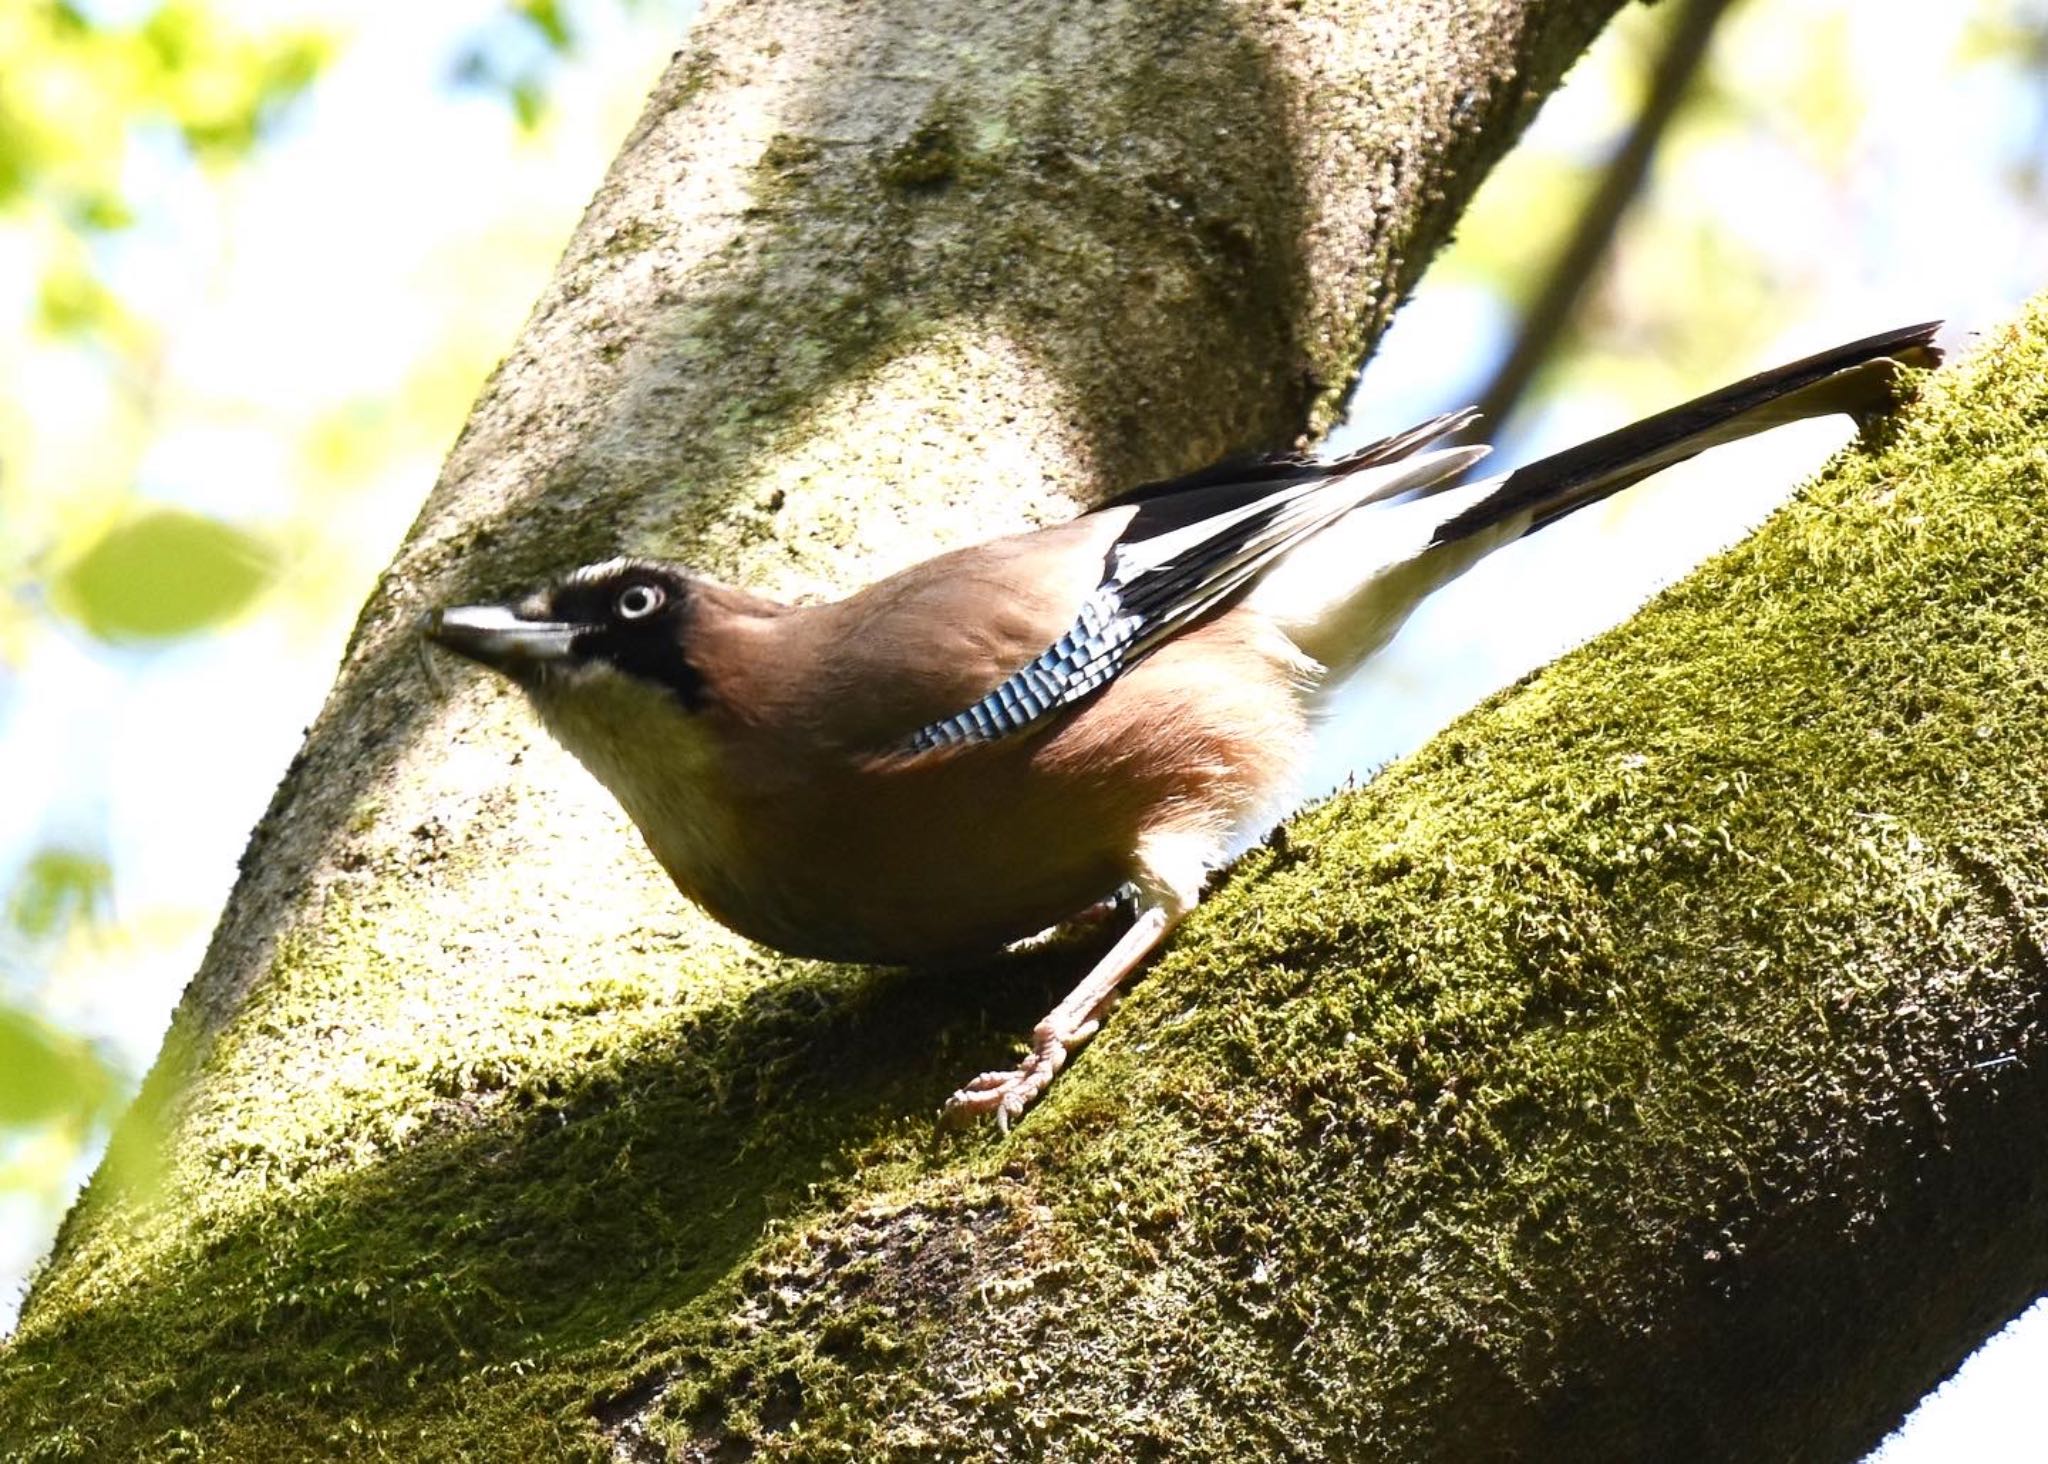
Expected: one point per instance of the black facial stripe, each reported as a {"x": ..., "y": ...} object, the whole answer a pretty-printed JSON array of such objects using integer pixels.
[
  {"x": 650, "y": 647},
  {"x": 597, "y": 602},
  {"x": 647, "y": 650}
]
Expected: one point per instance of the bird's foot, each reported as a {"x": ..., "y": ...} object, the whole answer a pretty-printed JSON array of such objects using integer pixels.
[
  {"x": 1067, "y": 1026},
  {"x": 1008, "y": 1093}
]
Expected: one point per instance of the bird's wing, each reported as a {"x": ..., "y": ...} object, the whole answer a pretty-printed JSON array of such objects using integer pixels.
[{"x": 1038, "y": 622}]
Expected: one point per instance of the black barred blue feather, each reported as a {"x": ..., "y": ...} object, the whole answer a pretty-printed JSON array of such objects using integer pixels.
[{"x": 1083, "y": 659}]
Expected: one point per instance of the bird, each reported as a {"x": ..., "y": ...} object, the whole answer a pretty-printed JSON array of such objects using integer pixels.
[{"x": 1001, "y": 738}]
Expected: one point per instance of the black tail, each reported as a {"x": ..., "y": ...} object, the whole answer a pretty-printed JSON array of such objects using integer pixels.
[{"x": 1857, "y": 378}]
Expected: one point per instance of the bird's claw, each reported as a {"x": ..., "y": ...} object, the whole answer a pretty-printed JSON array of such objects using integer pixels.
[{"x": 1006, "y": 1094}]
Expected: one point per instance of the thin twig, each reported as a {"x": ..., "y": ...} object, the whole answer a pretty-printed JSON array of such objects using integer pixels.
[{"x": 1557, "y": 301}]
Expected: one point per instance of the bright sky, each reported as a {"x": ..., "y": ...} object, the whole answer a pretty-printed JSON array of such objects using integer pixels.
[{"x": 397, "y": 214}]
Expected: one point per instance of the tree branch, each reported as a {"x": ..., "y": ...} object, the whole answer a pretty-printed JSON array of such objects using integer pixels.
[{"x": 1557, "y": 299}]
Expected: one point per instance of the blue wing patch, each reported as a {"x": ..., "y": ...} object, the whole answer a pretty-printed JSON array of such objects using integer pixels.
[{"x": 1087, "y": 656}]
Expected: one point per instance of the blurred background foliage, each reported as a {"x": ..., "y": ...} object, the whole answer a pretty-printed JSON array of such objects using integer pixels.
[
  {"x": 257, "y": 256},
  {"x": 199, "y": 478}
]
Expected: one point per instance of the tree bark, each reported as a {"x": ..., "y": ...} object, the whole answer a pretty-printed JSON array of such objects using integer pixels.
[{"x": 1636, "y": 1072}]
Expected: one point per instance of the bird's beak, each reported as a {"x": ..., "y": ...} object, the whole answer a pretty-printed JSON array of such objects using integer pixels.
[{"x": 496, "y": 636}]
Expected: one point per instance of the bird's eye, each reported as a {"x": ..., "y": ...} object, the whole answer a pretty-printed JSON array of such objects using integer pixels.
[{"x": 637, "y": 602}]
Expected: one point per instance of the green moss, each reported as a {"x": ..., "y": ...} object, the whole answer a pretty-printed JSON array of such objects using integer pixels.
[
  {"x": 631, "y": 238},
  {"x": 929, "y": 158}
]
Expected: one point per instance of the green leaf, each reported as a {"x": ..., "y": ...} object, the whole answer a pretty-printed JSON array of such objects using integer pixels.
[
  {"x": 59, "y": 888},
  {"x": 529, "y": 102},
  {"x": 165, "y": 573},
  {"x": 46, "y": 1074},
  {"x": 101, "y": 212},
  {"x": 70, "y": 302},
  {"x": 546, "y": 17}
]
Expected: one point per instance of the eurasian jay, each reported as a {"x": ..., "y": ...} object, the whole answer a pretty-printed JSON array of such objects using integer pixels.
[{"x": 1002, "y": 737}]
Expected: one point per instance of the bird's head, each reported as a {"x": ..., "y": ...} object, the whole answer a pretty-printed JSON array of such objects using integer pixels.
[
  {"x": 610, "y": 657},
  {"x": 607, "y": 627}
]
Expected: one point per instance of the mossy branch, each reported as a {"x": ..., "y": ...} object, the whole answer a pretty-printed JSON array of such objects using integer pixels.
[{"x": 1648, "y": 1069}]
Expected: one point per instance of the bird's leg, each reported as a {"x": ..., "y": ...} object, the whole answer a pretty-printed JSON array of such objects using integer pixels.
[
  {"x": 1007, "y": 1094},
  {"x": 1083, "y": 925}
]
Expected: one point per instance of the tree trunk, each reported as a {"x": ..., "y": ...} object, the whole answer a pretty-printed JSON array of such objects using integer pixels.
[{"x": 1643, "y": 1070}]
